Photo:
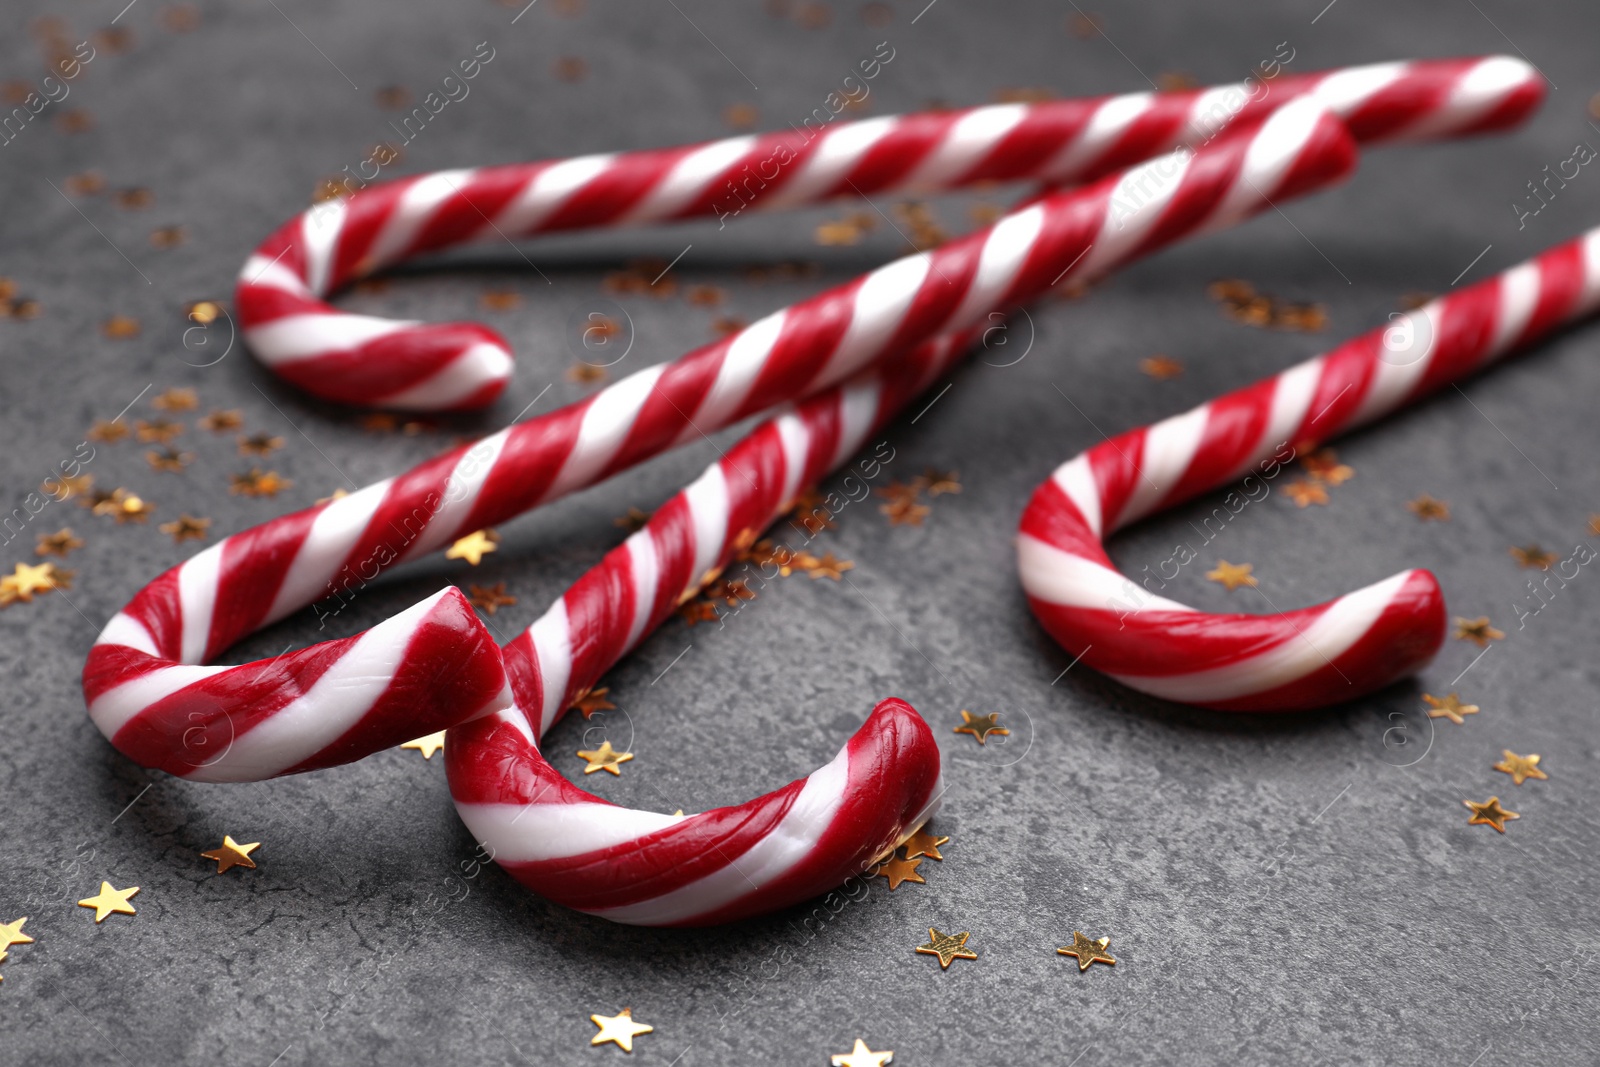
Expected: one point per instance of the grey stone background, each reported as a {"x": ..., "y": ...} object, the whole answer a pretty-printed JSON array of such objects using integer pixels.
[{"x": 1277, "y": 890}]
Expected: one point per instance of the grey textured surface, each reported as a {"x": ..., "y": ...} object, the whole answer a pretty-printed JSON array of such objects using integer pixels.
[{"x": 1285, "y": 890}]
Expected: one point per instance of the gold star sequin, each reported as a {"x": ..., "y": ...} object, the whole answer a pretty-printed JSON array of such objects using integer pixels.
[
  {"x": 1520, "y": 768},
  {"x": 1305, "y": 493},
  {"x": 923, "y": 843},
  {"x": 427, "y": 745},
  {"x": 67, "y": 486},
  {"x": 1324, "y": 466},
  {"x": 900, "y": 870},
  {"x": 947, "y": 947},
  {"x": 589, "y": 701},
  {"x": 905, "y": 512},
  {"x": 824, "y": 566},
  {"x": 1478, "y": 631},
  {"x": 168, "y": 459},
  {"x": 57, "y": 544},
  {"x": 633, "y": 521},
  {"x": 257, "y": 482},
  {"x": 981, "y": 726},
  {"x": 379, "y": 422},
  {"x": 29, "y": 579},
  {"x": 584, "y": 373},
  {"x": 604, "y": 758},
  {"x": 490, "y": 598},
  {"x": 1161, "y": 368},
  {"x": 1088, "y": 950},
  {"x": 697, "y": 611},
  {"x": 11, "y": 934},
  {"x": 109, "y": 901},
  {"x": 204, "y": 313},
  {"x": 731, "y": 592},
  {"x": 1490, "y": 813},
  {"x": 108, "y": 430},
  {"x": 119, "y": 504},
  {"x": 261, "y": 444},
  {"x": 474, "y": 546},
  {"x": 862, "y": 1056},
  {"x": 157, "y": 431},
  {"x": 120, "y": 327},
  {"x": 222, "y": 421},
  {"x": 186, "y": 528},
  {"x": 175, "y": 400},
  {"x": 1428, "y": 509},
  {"x": 1531, "y": 556},
  {"x": 619, "y": 1029},
  {"x": 1448, "y": 707},
  {"x": 940, "y": 482},
  {"x": 499, "y": 300},
  {"x": 1232, "y": 575},
  {"x": 231, "y": 854}
]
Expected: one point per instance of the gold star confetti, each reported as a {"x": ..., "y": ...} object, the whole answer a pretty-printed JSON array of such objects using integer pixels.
[
  {"x": 923, "y": 843},
  {"x": 620, "y": 1029},
  {"x": 704, "y": 296},
  {"x": 427, "y": 745},
  {"x": 584, "y": 373},
  {"x": 1428, "y": 509},
  {"x": 1490, "y": 813},
  {"x": 1161, "y": 368},
  {"x": 1087, "y": 951},
  {"x": 11, "y": 934},
  {"x": 1531, "y": 556},
  {"x": 109, "y": 900},
  {"x": 86, "y": 183},
  {"x": 338, "y": 494},
  {"x": 1232, "y": 575},
  {"x": 157, "y": 431},
  {"x": 168, "y": 459},
  {"x": 633, "y": 521},
  {"x": 981, "y": 726},
  {"x": 1305, "y": 493},
  {"x": 474, "y": 546},
  {"x": 1478, "y": 631},
  {"x": 66, "y": 487},
  {"x": 186, "y": 528},
  {"x": 825, "y": 566},
  {"x": 205, "y": 312},
  {"x": 499, "y": 300},
  {"x": 133, "y": 198},
  {"x": 900, "y": 870},
  {"x": 1520, "y": 768},
  {"x": 132, "y": 509},
  {"x": 110, "y": 431},
  {"x": 175, "y": 400},
  {"x": 940, "y": 482},
  {"x": 905, "y": 512},
  {"x": 1324, "y": 466},
  {"x": 590, "y": 701},
  {"x": 947, "y": 947},
  {"x": 261, "y": 444},
  {"x": 222, "y": 421},
  {"x": 57, "y": 544},
  {"x": 29, "y": 579},
  {"x": 1594, "y": 524},
  {"x": 379, "y": 422},
  {"x": 1448, "y": 707},
  {"x": 731, "y": 592},
  {"x": 604, "y": 758},
  {"x": 490, "y": 598},
  {"x": 697, "y": 611},
  {"x": 844, "y": 232},
  {"x": 231, "y": 854},
  {"x": 740, "y": 116},
  {"x": 120, "y": 327},
  {"x": 862, "y": 1056},
  {"x": 257, "y": 482}
]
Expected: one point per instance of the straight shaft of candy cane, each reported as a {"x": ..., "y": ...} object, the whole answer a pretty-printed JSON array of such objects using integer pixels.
[
  {"x": 363, "y": 359},
  {"x": 435, "y": 666},
  {"x": 1315, "y": 656}
]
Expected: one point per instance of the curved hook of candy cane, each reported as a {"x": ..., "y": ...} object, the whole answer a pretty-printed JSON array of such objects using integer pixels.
[
  {"x": 368, "y": 360},
  {"x": 1294, "y": 660},
  {"x": 143, "y": 681}
]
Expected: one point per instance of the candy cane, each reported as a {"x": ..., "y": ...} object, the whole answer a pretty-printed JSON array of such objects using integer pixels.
[
  {"x": 364, "y": 359},
  {"x": 434, "y": 666},
  {"x": 1299, "y": 659}
]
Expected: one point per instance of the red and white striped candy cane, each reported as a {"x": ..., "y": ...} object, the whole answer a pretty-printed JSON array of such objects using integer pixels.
[
  {"x": 1299, "y": 659},
  {"x": 364, "y": 359},
  {"x": 434, "y": 666}
]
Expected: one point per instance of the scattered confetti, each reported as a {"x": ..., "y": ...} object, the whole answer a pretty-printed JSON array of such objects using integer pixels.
[
  {"x": 589, "y": 701},
  {"x": 1088, "y": 951},
  {"x": 898, "y": 871},
  {"x": 948, "y": 947},
  {"x": 1232, "y": 575},
  {"x": 604, "y": 758},
  {"x": 1448, "y": 707},
  {"x": 490, "y": 598},
  {"x": 427, "y": 745},
  {"x": 1533, "y": 557},
  {"x": 120, "y": 327},
  {"x": 222, "y": 421},
  {"x": 618, "y": 1029},
  {"x": 1428, "y": 509},
  {"x": 1490, "y": 813},
  {"x": 231, "y": 854},
  {"x": 157, "y": 431},
  {"x": 981, "y": 726},
  {"x": 175, "y": 400},
  {"x": 1520, "y": 768},
  {"x": 861, "y": 1055},
  {"x": 186, "y": 528},
  {"x": 59, "y": 543},
  {"x": 260, "y": 444},
  {"x": 474, "y": 546},
  {"x": 168, "y": 459},
  {"x": 109, "y": 901},
  {"x": 1305, "y": 493},
  {"x": 1478, "y": 631}
]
